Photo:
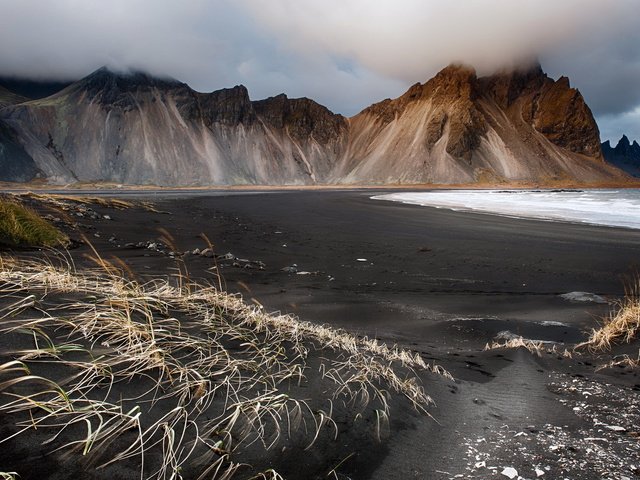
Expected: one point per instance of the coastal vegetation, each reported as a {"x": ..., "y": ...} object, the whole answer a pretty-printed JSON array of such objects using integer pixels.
[
  {"x": 181, "y": 377},
  {"x": 22, "y": 227},
  {"x": 620, "y": 327}
]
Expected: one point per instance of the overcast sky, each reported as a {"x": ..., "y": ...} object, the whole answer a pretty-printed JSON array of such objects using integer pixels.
[{"x": 345, "y": 54}]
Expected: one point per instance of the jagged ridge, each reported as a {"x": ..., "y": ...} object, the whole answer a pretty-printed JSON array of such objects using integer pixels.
[
  {"x": 455, "y": 128},
  {"x": 625, "y": 155}
]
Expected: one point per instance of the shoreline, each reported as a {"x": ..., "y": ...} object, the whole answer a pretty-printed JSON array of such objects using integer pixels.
[
  {"x": 466, "y": 208},
  {"x": 88, "y": 187}
]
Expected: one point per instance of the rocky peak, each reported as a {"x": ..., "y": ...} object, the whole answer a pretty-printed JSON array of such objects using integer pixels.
[
  {"x": 626, "y": 148},
  {"x": 229, "y": 106},
  {"x": 113, "y": 88},
  {"x": 560, "y": 113},
  {"x": 301, "y": 117},
  {"x": 456, "y": 80},
  {"x": 506, "y": 86},
  {"x": 128, "y": 80},
  {"x": 625, "y": 155},
  {"x": 623, "y": 143}
]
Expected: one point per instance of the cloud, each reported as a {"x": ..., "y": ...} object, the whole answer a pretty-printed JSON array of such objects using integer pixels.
[
  {"x": 413, "y": 38},
  {"x": 344, "y": 54},
  {"x": 594, "y": 42},
  {"x": 613, "y": 126}
]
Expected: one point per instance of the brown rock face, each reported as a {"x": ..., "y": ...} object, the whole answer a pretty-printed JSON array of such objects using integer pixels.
[
  {"x": 450, "y": 96},
  {"x": 562, "y": 115},
  {"x": 453, "y": 91},
  {"x": 515, "y": 125},
  {"x": 553, "y": 108}
]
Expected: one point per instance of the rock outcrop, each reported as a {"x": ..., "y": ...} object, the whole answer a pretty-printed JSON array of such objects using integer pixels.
[
  {"x": 456, "y": 128},
  {"x": 625, "y": 155}
]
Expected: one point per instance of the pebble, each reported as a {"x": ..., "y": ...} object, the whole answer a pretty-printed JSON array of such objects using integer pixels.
[{"x": 509, "y": 472}]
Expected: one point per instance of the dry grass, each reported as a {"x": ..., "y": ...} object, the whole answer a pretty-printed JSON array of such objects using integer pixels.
[
  {"x": 534, "y": 347},
  {"x": 22, "y": 227},
  {"x": 214, "y": 375},
  {"x": 62, "y": 201},
  {"x": 621, "y": 326},
  {"x": 621, "y": 361}
]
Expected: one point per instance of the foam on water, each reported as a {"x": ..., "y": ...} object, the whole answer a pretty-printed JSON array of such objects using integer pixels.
[{"x": 616, "y": 208}]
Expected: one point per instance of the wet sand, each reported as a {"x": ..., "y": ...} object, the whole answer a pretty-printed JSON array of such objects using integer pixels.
[{"x": 443, "y": 283}]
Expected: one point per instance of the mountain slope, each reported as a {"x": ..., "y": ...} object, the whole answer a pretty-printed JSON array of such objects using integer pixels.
[
  {"x": 33, "y": 89},
  {"x": 8, "y": 97},
  {"x": 133, "y": 128},
  {"x": 625, "y": 155},
  {"x": 456, "y": 128},
  {"x": 16, "y": 165}
]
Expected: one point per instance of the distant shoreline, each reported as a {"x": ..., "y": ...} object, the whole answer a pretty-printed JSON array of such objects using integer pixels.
[{"x": 125, "y": 188}]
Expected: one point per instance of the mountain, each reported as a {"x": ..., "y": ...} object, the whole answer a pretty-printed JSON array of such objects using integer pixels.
[
  {"x": 625, "y": 155},
  {"x": 456, "y": 128},
  {"x": 136, "y": 129},
  {"x": 7, "y": 97},
  {"x": 16, "y": 165},
  {"x": 33, "y": 89}
]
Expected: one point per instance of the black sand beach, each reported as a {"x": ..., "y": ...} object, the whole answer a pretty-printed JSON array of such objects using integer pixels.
[
  {"x": 442, "y": 283},
  {"x": 424, "y": 267}
]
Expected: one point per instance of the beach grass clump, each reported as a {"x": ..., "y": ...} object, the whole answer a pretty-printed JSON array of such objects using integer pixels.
[
  {"x": 621, "y": 326},
  {"x": 62, "y": 201},
  {"x": 22, "y": 227},
  {"x": 181, "y": 378},
  {"x": 532, "y": 346}
]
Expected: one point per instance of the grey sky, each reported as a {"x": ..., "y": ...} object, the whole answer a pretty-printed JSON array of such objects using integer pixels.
[{"x": 345, "y": 54}]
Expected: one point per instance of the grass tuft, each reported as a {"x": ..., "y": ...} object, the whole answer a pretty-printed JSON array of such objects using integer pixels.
[
  {"x": 534, "y": 347},
  {"x": 621, "y": 326},
  {"x": 22, "y": 227}
]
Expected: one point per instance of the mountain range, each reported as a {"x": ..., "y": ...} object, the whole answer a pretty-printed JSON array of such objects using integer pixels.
[
  {"x": 625, "y": 155},
  {"x": 133, "y": 128}
]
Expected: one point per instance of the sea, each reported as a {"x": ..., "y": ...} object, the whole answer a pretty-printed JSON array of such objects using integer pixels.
[{"x": 614, "y": 208}]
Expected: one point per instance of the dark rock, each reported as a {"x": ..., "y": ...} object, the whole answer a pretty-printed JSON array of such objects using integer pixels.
[
  {"x": 625, "y": 155},
  {"x": 302, "y": 117},
  {"x": 16, "y": 165}
]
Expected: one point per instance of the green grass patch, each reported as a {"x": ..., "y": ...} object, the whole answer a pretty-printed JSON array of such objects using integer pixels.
[{"x": 22, "y": 227}]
